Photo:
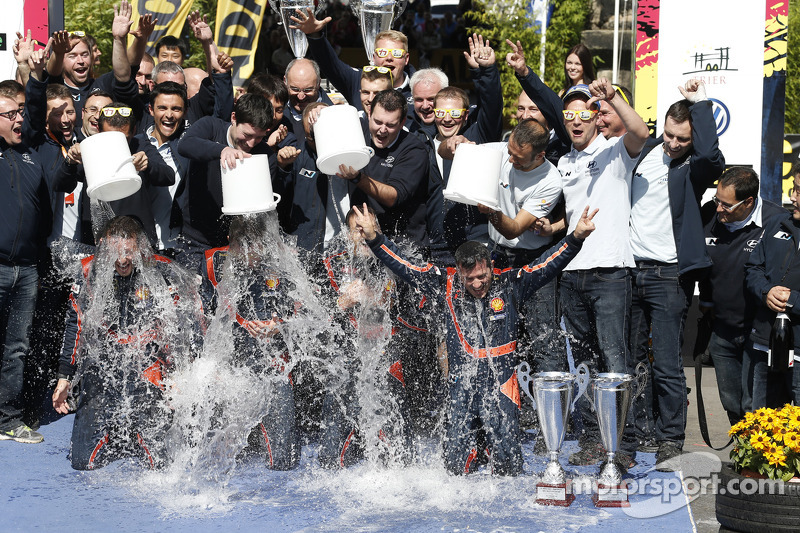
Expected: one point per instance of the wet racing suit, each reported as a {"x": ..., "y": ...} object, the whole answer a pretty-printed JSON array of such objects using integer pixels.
[
  {"x": 481, "y": 348},
  {"x": 267, "y": 295},
  {"x": 120, "y": 409}
]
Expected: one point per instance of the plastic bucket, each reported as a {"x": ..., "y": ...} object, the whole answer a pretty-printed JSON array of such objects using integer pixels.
[
  {"x": 108, "y": 165},
  {"x": 247, "y": 188},
  {"x": 475, "y": 176},
  {"x": 340, "y": 139}
]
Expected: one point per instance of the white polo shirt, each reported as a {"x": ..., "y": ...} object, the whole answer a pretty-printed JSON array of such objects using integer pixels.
[
  {"x": 536, "y": 191},
  {"x": 600, "y": 177},
  {"x": 652, "y": 236}
]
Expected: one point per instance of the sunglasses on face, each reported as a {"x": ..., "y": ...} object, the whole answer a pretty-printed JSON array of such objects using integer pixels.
[
  {"x": 111, "y": 111},
  {"x": 454, "y": 113},
  {"x": 384, "y": 52},
  {"x": 729, "y": 207},
  {"x": 584, "y": 114},
  {"x": 12, "y": 115}
]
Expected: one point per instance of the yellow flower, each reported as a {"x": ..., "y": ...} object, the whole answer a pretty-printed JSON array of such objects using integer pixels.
[
  {"x": 779, "y": 434},
  {"x": 759, "y": 440},
  {"x": 792, "y": 440},
  {"x": 749, "y": 418},
  {"x": 770, "y": 420},
  {"x": 776, "y": 459},
  {"x": 794, "y": 418}
]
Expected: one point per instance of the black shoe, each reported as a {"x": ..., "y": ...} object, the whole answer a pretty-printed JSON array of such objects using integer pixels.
[
  {"x": 647, "y": 446},
  {"x": 624, "y": 461},
  {"x": 668, "y": 457},
  {"x": 590, "y": 454}
]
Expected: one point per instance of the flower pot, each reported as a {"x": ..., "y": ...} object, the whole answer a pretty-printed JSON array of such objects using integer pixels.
[{"x": 752, "y": 503}]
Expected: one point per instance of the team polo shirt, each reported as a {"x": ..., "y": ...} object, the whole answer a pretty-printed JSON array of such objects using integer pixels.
[
  {"x": 536, "y": 191},
  {"x": 652, "y": 236},
  {"x": 600, "y": 177}
]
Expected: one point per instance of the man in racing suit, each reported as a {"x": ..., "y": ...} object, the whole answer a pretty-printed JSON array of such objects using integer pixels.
[{"x": 482, "y": 306}]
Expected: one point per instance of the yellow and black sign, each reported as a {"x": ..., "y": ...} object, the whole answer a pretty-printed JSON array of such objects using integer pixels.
[
  {"x": 238, "y": 27},
  {"x": 170, "y": 14}
]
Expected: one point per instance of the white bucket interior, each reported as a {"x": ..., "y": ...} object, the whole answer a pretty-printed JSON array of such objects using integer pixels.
[
  {"x": 247, "y": 188},
  {"x": 340, "y": 139}
]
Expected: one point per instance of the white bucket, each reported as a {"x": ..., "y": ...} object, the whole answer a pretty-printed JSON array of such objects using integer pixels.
[
  {"x": 108, "y": 165},
  {"x": 247, "y": 188},
  {"x": 475, "y": 176},
  {"x": 340, "y": 139}
]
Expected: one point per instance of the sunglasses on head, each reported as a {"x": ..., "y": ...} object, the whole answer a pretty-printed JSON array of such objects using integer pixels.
[
  {"x": 77, "y": 33},
  {"x": 111, "y": 111},
  {"x": 384, "y": 52},
  {"x": 584, "y": 114},
  {"x": 454, "y": 113}
]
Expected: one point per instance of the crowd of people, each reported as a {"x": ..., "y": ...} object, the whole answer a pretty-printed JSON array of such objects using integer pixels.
[{"x": 598, "y": 226}]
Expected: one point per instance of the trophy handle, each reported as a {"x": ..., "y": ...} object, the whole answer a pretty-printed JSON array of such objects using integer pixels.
[
  {"x": 400, "y": 6},
  {"x": 583, "y": 377},
  {"x": 525, "y": 381},
  {"x": 640, "y": 375}
]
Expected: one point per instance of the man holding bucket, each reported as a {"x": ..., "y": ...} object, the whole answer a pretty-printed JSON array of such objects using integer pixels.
[{"x": 482, "y": 322}]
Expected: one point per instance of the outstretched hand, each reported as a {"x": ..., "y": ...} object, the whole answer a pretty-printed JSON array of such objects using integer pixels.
[
  {"x": 480, "y": 54},
  {"x": 307, "y": 22},
  {"x": 122, "y": 22},
  {"x": 585, "y": 225},
  {"x": 365, "y": 223},
  {"x": 516, "y": 59}
]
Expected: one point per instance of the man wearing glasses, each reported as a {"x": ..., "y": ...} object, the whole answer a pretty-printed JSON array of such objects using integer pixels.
[
  {"x": 595, "y": 288},
  {"x": 303, "y": 79},
  {"x": 391, "y": 51},
  {"x": 25, "y": 203},
  {"x": 666, "y": 239},
  {"x": 734, "y": 224}
]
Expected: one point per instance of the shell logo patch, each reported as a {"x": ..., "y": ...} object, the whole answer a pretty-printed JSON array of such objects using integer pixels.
[
  {"x": 143, "y": 293},
  {"x": 497, "y": 304},
  {"x": 272, "y": 283}
]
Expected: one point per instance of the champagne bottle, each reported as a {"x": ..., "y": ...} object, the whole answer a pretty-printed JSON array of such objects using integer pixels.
[{"x": 780, "y": 357}]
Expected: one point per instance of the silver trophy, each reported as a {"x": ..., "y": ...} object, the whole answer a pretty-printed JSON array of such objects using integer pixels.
[
  {"x": 287, "y": 9},
  {"x": 612, "y": 396},
  {"x": 553, "y": 400},
  {"x": 375, "y": 16}
]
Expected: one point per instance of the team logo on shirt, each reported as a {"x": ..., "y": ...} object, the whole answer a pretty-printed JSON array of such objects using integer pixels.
[
  {"x": 388, "y": 162},
  {"x": 752, "y": 243},
  {"x": 27, "y": 159},
  {"x": 783, "y": 236},
  {"x": 497, "y": 304},
  {"x": 711, "y": 241},
  {"x": 272, "y": 283},
  {"x": 592, "y": 168},
  {"x": 308, "y": 173}
]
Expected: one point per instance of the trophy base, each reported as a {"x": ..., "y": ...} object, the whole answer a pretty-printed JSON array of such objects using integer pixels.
[
  {"x": 611, "y": 495},
  {"x": 547, "y": 494}
]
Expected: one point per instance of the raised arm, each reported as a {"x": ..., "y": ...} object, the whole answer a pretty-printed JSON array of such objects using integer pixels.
[
  {"x": 202, "y": 32},
  {"x": 638, "y": 133},
  {"x": 140, "y": 37},
  {"x": 489, "y": 123},
  {"x": 119, "y": 31},
  {"x": 707, "y": 162}
]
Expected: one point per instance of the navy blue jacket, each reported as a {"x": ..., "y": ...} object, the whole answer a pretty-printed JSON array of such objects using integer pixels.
[
  {"x": 127, "y": 92},
  {"x": 200, "y": 191},
  {"x": 775, "y": 261},
  {"x": 25, "y": 215},
  {"x": 403, "y": 166},
  {"x": 724, "y": 285},
  {"x": 347, "y": 79},
  {"x": 486, "y": 327},
  {"x": 451, "y": 224},
  {"x": 689, "y": 177},
  {"x": 294, "y": 120}
]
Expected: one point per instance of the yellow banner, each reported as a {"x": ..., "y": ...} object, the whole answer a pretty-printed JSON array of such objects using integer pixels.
[
  {"x": 237, "y": 30},
  {"x": 171, "y": 16}
]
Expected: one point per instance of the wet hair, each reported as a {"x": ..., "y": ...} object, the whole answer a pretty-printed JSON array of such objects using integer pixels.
[
  {"x": 126, "y": 227},
  {"x": 268, "y": 85},
  {"x": 453, "y": 93},
  {"x": 246, "y": 230},
  {"x": 393, "y": 35},
  {"x": 167, "y": 67},
  {"x": 679, "y": 111},
  {"x": 253, "y": 109},
  {"x": 472, "y": 253},
  {"x": 57, "y": 90},
  {"x": 11, "y": 88},
  {"x": 352, "y": 212},
  {"x": 390, "y": 100},
  {"x": 429, "y": 75},
  {"x": 585, "y": 57},
  {"x": 170, "y": 42},
  {"x": 314, "y": 65},
  {"x": 529, "y": 132},
  {"x": 744, "y": 181},
  {"x": 116, "y": 120},
  {"x": 168, "y": 87}
]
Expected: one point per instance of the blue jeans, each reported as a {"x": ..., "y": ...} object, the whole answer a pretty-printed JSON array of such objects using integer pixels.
[
  {"x": 596, "y": 305},
  {"x": 731, "y": 370},
  {"x": 658, "y": 311},
  {"x": 18, "y": 287}
]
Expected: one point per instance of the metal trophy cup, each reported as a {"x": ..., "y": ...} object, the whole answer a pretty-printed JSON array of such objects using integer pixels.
[
  {"x": 553, "y": 399},
  {"x": 375, "y": 16},
  {"x": 612, "y": 397},
  {"x": 288, "y": 8}
]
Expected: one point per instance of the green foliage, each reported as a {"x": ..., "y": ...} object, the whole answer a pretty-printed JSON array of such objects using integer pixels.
[
  {"x": 95, "y": 17},
  {"x": 508, "y": 20},
  {"x": 792, "y": 118}
]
